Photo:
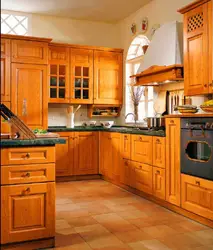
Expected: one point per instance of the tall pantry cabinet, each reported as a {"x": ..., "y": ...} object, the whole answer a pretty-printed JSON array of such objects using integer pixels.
[{"x": 29, "y": 81}]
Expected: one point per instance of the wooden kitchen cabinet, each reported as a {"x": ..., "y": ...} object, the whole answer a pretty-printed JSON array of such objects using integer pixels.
[
  {"x": 65, "y": 155},
  {"x": 110, "y": 155},
  {"x": 141, "y": 149},
  {"x": 5, "y": 70},
  {"x": 173, "y": 160},
  {"x": 81, "y": 68},
  {"x": 197, "y": 195},
  {"x": 29, "y": 94},
  {"x": 126, "y": 146},
  {"x": 198, "y": 77},
  {"x": 58, "y": 72},
  {"x": 159, "y": 152},
  {"x": 143, "y": 177},
  {"x": 85, "y": 153},
  {"x": 108, "y": 82},
  {"x": 159, "y": 183},
  {"x": 33, "y": 52},
  {"x": 27, "y": 212}
]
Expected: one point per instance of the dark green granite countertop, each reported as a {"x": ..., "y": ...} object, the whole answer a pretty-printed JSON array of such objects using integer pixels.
[
  {"x": 119, "y": 129},
  {"x": 7, "y": 143}
]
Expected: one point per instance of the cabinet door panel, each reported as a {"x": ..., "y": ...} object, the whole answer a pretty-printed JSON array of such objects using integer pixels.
[
  {"x": 29, "y": 52},
  {"x": 159, "y": 152},
  {"x": 141, "y": 150},
  {"x": 86, "y": 153},
  {"x": 5, "y": 70},
  {"x": 126, "y": 146},
  {"x": 65, "y": 156},
  {"x": 159, "y": 183},
  {"x": 173, "y": 160},
  {"x": 143, "y": 177},
  {"x": 29, "y": 93},
  {"x": 105, "y": 152},
  {"x": 25, "y": 212},
  {"x": 196, "y": 52},
  {"x": 108, "y": 88},
  {"x": 81, "y": 91},
  {"x": 197, "y": 195}
]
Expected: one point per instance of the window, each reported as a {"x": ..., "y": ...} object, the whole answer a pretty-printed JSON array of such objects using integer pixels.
[
  {"x": 14, "y": 24},
  {"x": 134, "y": 59}
]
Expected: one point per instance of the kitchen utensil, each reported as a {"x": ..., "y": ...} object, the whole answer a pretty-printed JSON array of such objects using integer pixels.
[{"x": 155, "y": 122}]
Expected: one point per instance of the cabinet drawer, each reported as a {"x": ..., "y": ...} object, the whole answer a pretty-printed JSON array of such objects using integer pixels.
[
  {"x": 27, "y": 212},
  {"x": 159, "y": 152},
  {"x": 141, "y": 149},
  {"x": 27, "y": 155},
  {"x": 27, "y": 173},
  {"x": 29, "y": 52},
  {"x": 197, "y": 195}
]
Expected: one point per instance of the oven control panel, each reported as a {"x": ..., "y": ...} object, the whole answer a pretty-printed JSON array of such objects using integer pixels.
[{"x": 197, "y": 123}]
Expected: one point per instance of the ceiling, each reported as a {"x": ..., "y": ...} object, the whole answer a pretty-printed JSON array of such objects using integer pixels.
[{"x": 92, "y": 10}]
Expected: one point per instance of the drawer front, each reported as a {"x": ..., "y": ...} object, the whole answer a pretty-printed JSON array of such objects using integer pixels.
[
  {"x": 27, "y": 155},
  {"x": 141, "y": 149},
  {"x": 159, "y": 183},
  {"x": 159, "y": 152},
  {"x": 27, "y": 173},
  {"x": 126, "y": 146},
  {"x": 197, "y": 195},
  {"x": 29, "y": 52}
]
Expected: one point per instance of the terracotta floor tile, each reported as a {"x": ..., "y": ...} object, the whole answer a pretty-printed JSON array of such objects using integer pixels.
[
  {"x": 132, "y": 214},
  {"x": 68, "y": 240},
  {"x": 80, "y": 246},
  {"x": 148, "y": 245},
  {"x": 187, "y": 226},
  {"x": 62, "y": 224},
  {"x": 132, "y": 236},
  {"x": 205, "y": 237},
  {"x": 81, "y": 221},
  {"x": 121, "y": 247},
  {"x": 160, "y": 231}
]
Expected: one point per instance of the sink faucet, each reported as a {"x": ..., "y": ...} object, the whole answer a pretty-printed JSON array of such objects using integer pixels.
[{"x": 133, "y": 116}]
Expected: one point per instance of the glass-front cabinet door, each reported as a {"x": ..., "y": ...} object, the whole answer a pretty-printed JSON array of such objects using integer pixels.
[
  {"x": 59, "y": 74},
  {"x": 81, "y": 76}
]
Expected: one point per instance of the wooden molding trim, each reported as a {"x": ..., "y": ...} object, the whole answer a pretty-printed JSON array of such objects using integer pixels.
[
  {"x": 164, "y": 203},
  {"x": 159, "y": 74},
  {"x": 28, "y": 38},
  {"x": 86, "y": 47},
  {"x": 192, "y": 6}
]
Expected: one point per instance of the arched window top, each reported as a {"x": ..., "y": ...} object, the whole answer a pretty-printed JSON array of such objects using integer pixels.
[{"x": 136, "y": 47}]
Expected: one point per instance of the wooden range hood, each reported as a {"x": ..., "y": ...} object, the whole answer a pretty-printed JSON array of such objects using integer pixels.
[{"x": 156, "y": 75}]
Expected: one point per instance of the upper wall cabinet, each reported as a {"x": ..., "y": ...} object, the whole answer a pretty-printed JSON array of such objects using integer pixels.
[
  {"x": 29, "y": 52},
  {"x": 5, "y": 70},
  {"x": 108, "y": 82},
  {"x": 81, "y": 82},
  {"x": 58, "y": 72},
  {"x": 198, "y": 48}
]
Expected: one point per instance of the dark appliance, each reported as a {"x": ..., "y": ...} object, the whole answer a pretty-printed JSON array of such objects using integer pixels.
[{"x": 197, "y": 147}]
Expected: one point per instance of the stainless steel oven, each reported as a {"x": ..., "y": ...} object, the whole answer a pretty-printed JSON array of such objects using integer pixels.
[{"x": 197, "y": 147}]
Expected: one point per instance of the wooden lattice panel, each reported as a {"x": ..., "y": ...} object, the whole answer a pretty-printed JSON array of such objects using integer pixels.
[{"x": 195, "y": 22}]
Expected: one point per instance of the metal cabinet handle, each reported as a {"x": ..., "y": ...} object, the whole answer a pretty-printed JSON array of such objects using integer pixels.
[
  {"x": 140, "y": 138},
  {"x": 172, "y": 121},
  {"x": 27, "y": 155},
  {"x": 158, "y": 172},
  {"x": 27, "y": 190},
  {"x": 197, "y": 183},
  {"x": 26, "y": 175},
  {"x": 157, "y": 141},
  {"x": 125, "y": 137}
]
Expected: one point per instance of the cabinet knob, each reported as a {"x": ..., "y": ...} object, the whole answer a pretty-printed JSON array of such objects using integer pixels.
[
  {"x": 157, "y": 141},
  {"x": 172, "y": 121},
  {"x": 140, "y": 138},
  {"x": 27, "y": 190},
  {"x": 125, "y": 137},
  {"x": 27, "y": 156},
  {"x": 197, "y": 183},
  {"x": 26, "y": 175},
  {"x": 140, "y": 166},
  {"x": 205, "y": 85},
  {"x": 158, "y": 172}
]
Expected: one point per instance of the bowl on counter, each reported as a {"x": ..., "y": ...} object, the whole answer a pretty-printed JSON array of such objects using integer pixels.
[
  {"x": 89, "y": 124},
  {"x": 107, "y": 124}
]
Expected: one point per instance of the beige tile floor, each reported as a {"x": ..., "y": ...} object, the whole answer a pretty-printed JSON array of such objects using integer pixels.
[{"x": 98, "y": 215}]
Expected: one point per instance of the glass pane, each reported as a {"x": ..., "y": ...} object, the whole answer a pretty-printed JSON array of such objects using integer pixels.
[
  {"x": 150, "y": 93},
  {"x": 53, "y": 93},
  {"x": 77, "y": 82},
  {"x": 85, "y": 83},
  {"x": 77, "y": 94},
  {"x": 85, "y": 94},
  {"x": 61, "y": 81},
  {"x": 61, "y": 93},
  {"x": 86, "y": 71},
  {"x": 77, "y": 71},
  {"x": 150, "y": 109},
  {"x": 53, "y": 69},
  {"x": 62, "y": 70},
  {"x": 53, "y": 81},
  {"x": 141, "y": 111},
  {"x": 198, "y": 151}
]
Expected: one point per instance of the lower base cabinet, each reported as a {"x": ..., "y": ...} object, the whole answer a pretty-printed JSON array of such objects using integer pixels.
[
  {"x": 25, "y": 212},
  {"x": 197, "y": 195},
  {"x": 143, "y": 177},
  {"x": 159, "y": 183}
]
